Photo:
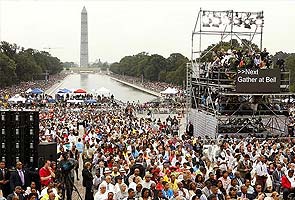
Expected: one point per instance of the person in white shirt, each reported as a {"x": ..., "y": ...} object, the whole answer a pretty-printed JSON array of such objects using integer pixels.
[
  {"x": 97, "y": 180},
  {"x": 119, "y": 182},
  {"x": 222, "y": 161},
  {"x": 225, "y": 180},
  {"x": 122, "y": 193},
  {"x": 183, "y": 191},
  {"x": 72, "y": 138},
  {"x": 101, "y": 194},
  {"x": 261, "y": 172},
  {"x": 147, "y": 181},
  {"x": 137, "y": 180},
  {"x": 108, "y": 182}
]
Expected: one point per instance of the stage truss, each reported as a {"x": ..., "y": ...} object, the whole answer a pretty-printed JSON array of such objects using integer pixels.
[{"x": 253, "y": 116}]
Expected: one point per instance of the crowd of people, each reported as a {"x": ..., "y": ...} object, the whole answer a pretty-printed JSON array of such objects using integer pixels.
[
  {"x": 223, "y": 66},
  {"x": 8, "y": 92},
  {"x": 124, "y": 156},
  {"x": 127, "y": 157},
  {"x": 23, "y": 86},
  {"x": 231, "y": 60}
]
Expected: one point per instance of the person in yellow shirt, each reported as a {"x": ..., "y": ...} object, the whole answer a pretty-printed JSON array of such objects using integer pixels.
[
  {"x": 167, "y": 173},
  {"x": 49, "y": 195},
  {"x": 173, "y": 182}
]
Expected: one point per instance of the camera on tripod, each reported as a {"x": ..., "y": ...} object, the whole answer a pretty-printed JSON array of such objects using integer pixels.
[{"x": 66, "y": 165}]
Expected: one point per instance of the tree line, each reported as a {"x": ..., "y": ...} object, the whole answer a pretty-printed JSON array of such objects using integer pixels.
[
  {"x": 289, "y": 61},
  {"x": 173, "y": 69},
  {"x": 153, "y": 67},
  {"x": 19, "y": 64}
]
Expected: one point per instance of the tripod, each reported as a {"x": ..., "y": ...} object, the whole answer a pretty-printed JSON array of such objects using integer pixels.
[{"x": 68, "y": 186}]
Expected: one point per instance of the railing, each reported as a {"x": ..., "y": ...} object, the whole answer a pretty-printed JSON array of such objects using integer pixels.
[
  {"x": 223, "y": 79},
  {"x": 237, "y": 107}
]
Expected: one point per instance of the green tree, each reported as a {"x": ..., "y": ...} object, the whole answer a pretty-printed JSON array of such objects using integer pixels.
[
  {"x": 10, "y": 50},
  {"x": 290, "y": 63},
  {"x": 7, "y": 70},
  {"x": 153, "y": 67},
  {"x": 26, "y": 67}
]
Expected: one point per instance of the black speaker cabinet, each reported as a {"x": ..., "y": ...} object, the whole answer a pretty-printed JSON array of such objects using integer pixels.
[
  {"x": 47, "y": 151},
  {"x": 19, "y": 137}
]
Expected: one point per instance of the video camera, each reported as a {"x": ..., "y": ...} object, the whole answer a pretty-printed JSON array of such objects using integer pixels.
[{"x": 67, "y": 166}]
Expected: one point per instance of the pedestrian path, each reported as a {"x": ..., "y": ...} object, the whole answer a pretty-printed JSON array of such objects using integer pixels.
[{"x": 157, "y": 94}]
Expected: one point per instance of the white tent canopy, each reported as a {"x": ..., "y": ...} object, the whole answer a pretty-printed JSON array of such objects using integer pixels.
[
  {"x": 103, "y": 91},
  {"x": 16, "y": 99},
  {"x": 29, "y": 90},
  {"x": 170, "y": 90},
  {"x": 287, "y": 100},
  {"x": 75, "y": 101}
]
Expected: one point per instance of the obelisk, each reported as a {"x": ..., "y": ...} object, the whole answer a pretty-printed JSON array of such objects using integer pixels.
[{"x": 84, "y": 39}]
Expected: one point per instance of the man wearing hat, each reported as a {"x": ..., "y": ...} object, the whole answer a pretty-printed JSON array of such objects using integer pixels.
[
  {"x": 115, "y": 171},
  {"x": 123, "y": 175},
  {"x": 107, "y": 172},
  {"x": 136, "y": 172},
  {"x": 233, "y": 192}
]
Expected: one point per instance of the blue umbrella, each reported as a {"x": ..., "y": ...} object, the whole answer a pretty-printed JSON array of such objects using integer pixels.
[
  {"x": 90, "y": 101},
  {"x": 60, "y": 91},
  {"x": 37, "y": 91},
  {"x": 64, "y": 91},
  {"x": 51, "y": 100}
]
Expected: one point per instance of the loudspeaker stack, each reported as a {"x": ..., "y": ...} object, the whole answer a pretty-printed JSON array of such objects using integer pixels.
[{"x": 19, "y": 137}]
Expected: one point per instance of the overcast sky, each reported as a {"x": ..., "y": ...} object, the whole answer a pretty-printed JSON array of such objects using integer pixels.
[{"x": 117, "y": 28}]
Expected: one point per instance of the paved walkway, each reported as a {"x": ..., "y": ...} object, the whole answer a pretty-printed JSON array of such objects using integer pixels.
[
  {"x": 77, "y": 183},
  {"x": 157, "y": 94}
]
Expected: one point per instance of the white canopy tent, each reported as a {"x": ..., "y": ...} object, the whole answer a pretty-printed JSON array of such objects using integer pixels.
[
  {"x": 287, "y": 100},
  {"x": 29, "y": 90},
  {"x": 170, "y": 90},
  {"x": 75, "y": 101},
  {"x": 103, "y": 91},
  {"x": 17, "y": 99}
]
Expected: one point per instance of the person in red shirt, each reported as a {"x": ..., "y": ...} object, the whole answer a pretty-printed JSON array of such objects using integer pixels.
[
  {"x": 288, "y": 184},
  {"x": 46, "y": 174}
]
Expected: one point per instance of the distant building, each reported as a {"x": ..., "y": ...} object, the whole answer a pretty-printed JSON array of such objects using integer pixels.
[{"x": 84, "y": 39}]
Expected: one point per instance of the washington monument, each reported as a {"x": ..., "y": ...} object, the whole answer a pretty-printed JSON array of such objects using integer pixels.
[{"x": 84, "y": 39}]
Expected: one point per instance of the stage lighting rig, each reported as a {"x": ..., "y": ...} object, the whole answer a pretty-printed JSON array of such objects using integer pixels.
[
  {"x": 225, "y": 19},
  {"x": 229, "y": 17},
  {"x": 206, "y": 19},
  {"x": 216, "y": 20},
  {"x": 259, "y": 19}
]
